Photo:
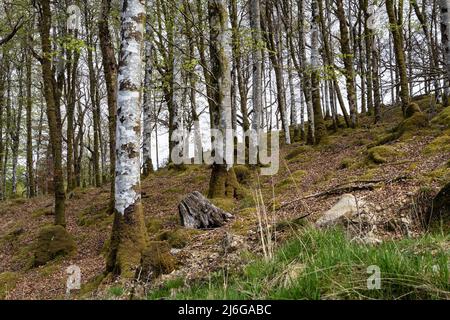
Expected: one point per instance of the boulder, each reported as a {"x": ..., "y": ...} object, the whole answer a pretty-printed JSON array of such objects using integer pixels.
[
  {"x": 53, "y": 241},
  {"x": 356, "y": 215},
  {"x": 197, "y": 212}
]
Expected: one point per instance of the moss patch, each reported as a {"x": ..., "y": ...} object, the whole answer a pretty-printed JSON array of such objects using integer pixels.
[
  {"x": 8, "y": 281},
  {"x": 243, "y": 174},
  {"x": 382, "y": 154},
  {"x": 294, "y": 178},
  {"x": 443, "y": 118},
  {"x": 225, "y": 204},
  {"x": 52, "y": 242},
  {"x": 42, "y": 212},
  {"x": 440, "y": 144},
  {"x": 298, "y": 151},
  {"x": 156, "y": 260},
  {"x": 177, "y": 238}
]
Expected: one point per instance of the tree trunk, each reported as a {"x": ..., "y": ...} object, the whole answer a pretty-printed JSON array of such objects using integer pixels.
[
  {"x": 110, "y": 71},
  {"x": 348, "y": 62},
  {"x": 30, "y": 172},
  {"x": 52, "y": 96},
  {"x": 223, "y": 182},
  {"x": 147, "y": 103},
  {"x": 128, "y": 237},
  {"x": 397, "y": 35},
  {"x": 445, "y": 31}
]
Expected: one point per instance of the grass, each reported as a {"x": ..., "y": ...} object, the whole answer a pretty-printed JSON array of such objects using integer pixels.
[{"x": 325, "y": 265}]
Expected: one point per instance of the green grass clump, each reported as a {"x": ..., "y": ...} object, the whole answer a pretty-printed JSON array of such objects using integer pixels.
[{"x": 326, "y": 265}]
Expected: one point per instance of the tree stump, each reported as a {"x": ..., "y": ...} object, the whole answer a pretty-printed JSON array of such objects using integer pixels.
[{"x": 197, "y": 212}]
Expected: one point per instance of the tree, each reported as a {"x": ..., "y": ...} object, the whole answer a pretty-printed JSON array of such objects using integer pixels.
[
  {"x": 52, "y": 94},
  {"x": 396, "y": 22},
  {"x": 445, "y": 31},
  {"x": 223, "y": 182},
  {"x": 128, "y": 235},
  {"x": 110, "y": 72}
]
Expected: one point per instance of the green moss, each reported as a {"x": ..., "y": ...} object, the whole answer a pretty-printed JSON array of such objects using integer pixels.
[
  {"x": 96, "y": 214},
  {"x": 91, "y": 286},
  {"x": 382, "y": 154},
  {"x": 443, "y": 118},
  {"x": 52, "y": 242},
  {"x": 346, "y": 163},
  {"x": 8, "y": 281},
  {"x": 242, "y": 226},
  {"x": 116, "y": 291},
  {"x": 298, "y": 151},
  {"x": 243, "y": 174},
  {"x": 412, "y": 109},
  {"x": 416, "y": 121},
  {"x": 126, "y": 247},
  {"x": 156, "y": 260},
  {"x": 440, "y": 144},
  {"x": 42, "y": 212},
  {"x": 154, "y": 225},
  {"x": 49, "y": 269},
  {"x": 225, "y": 204},
  {"x": 177, "y": 238}
]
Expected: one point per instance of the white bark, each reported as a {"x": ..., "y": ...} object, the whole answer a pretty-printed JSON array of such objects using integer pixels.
[{"x": 128, "y": 130}]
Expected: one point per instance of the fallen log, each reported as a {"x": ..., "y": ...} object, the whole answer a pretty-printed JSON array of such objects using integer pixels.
[{"x": 197, "y": 212}]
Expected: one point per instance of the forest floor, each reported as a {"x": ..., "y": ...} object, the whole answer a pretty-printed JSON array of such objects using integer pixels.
[{"x": 399, "y": 171}]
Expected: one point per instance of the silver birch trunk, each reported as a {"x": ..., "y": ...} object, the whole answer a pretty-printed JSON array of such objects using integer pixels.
[{"x": 128, "y": 130}]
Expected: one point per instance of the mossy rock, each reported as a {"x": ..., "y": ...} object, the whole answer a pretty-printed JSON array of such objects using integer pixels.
[
  {"x": 156, "y": 260},
  {"x": 443, "y": 118},
  {"x": 440, "y": 144},
  {"x": 52, "y": 242},
  {"x": 416, "y": 121},
  {"x": 243, "y": 174},
  {"x": 8, "y": 281},
  {"x": 382, "y": 154},
  {"x": 412, "y": 109},
  {"x": 177, "y": 238},
  {"x": 298, "y": 151}
]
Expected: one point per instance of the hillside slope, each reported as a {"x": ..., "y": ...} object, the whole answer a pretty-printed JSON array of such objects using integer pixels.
[{"x": 394, "y": 176}]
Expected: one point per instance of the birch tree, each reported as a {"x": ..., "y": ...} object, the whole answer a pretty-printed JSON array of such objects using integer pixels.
[{"x": 128, "y": 235}]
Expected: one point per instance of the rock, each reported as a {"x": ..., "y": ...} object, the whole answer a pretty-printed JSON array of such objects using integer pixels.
[
  {"x": 356, "y": 215},
  {"x": 347, "y": 207},
  {"x": 197, "y": 212},
  {"x": 53, "y": 241}
]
